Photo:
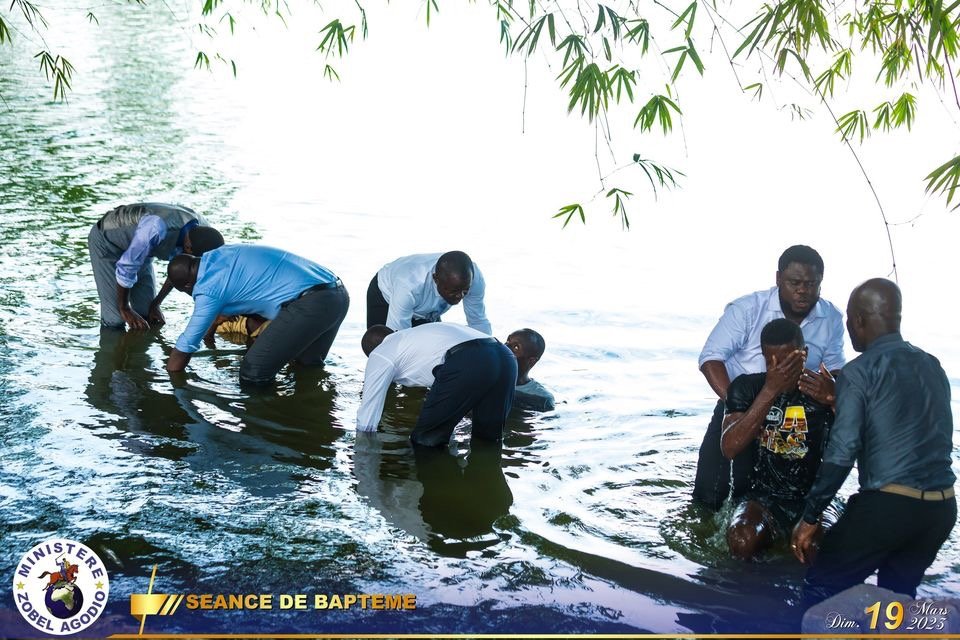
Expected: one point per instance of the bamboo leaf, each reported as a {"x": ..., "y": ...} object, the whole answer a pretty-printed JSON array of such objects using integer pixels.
[
  {"x": 905, "y": 111},
  {"x": 853, "y": 123},
  {"x": 640, "y": 32},
  {"x": 945, "y": 180},
  {"x": 689, "y": 15},
  {"x": 569, "y": 211},
  {"x": 619, "y": 205},
  {"x": 656, "y": 110},
  {"x": 431, "y": 6},
  {"x": 694, "y": 57}
]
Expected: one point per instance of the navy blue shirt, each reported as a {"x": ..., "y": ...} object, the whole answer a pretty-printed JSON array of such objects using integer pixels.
[{"x": 893, "y": 419}]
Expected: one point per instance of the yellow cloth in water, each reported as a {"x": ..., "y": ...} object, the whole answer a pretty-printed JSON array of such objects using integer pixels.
[{"x": 238, "y": 325}]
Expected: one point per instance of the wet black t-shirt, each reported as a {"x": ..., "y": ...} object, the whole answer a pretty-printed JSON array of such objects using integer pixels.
[{"x": 791, "y": 439}]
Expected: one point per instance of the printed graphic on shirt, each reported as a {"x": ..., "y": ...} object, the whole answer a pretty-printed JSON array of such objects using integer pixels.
[{"x": 785, "y": 431}]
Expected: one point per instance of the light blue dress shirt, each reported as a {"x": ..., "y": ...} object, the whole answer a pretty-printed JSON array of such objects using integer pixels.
[
  {"x": 735, "y": 340},
  {"x": 245, "y": 279}
]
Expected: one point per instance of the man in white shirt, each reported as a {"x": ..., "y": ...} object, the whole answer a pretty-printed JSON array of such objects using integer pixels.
[
  {"x": 420, "y": 288},
  {"x": 464, "y": 369},
  {"x": 733, "y": 349}
]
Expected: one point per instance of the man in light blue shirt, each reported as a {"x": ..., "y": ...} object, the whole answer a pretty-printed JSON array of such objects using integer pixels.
[
  {"x": 420, "y": 288},
  {"x": 733, "y": 349},
  {"x": 305, "y": 302},
  {"x": 121, "y": 246}
]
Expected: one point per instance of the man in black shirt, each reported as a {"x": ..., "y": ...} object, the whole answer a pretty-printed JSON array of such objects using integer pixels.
[
  {"x": 784, "y": 429},
  {"x": 894, "y": 421}
]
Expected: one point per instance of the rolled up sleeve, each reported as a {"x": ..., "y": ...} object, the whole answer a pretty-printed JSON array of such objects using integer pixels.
[
  {"x": 833, "y": 358},
  {"x": 377, "y": 378},
  {"x": 148, "y": 236},
  {"x": 473, "y": 307},
  {"x": 728, "y": 336},
  {"x": 205, "y": 310}
]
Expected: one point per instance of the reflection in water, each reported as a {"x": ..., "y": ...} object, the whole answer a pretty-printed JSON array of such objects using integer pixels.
[
  {"x": 210, "y": 430},
  {"x": 146, "y": 421},
  {"x": 451, "y": 503}
]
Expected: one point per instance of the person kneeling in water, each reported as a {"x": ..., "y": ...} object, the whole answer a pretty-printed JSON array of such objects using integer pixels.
[{"x": 785, "y": 428}]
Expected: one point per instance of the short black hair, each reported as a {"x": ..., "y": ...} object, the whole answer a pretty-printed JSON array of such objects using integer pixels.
[
  {"x": 203, "y": 239},
  {"x": 535, "y": 339},
  {"x": 455, "y": 263},
  {"x": 801, "y": 254},
  {"x": 373, "y": 337},
  {"x": 781, "y": 331},
  {"x": 178, "y": 269}
]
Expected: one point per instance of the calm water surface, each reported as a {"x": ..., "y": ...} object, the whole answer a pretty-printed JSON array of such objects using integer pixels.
[{"x": 582, "y": 523}]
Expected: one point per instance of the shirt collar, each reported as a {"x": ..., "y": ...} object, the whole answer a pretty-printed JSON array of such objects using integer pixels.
[
  {"x": 183, "y": 232},
  {"x": 885, "y": 339}
]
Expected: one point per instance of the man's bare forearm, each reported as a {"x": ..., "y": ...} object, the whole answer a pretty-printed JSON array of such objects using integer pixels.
[
  {"x": 178, "y": 361},
  {"x": 716, "y": 374}
]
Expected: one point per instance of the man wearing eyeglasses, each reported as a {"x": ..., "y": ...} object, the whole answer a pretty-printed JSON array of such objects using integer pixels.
[{"x": 733, "y": 349}]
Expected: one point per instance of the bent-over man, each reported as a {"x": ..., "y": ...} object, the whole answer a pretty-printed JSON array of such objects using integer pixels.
[
  {"x": 733, "y": 349},
  {"x": 305, "y": 302},
  {"x": 121, "y": 246},
  {"x": 420, "y": 288},
  {"x": 894, "y": 421},
  {"x": 528, "y": 347},
  {"x": 767, "y": 412},
  {"x": 464, "y": 369}
]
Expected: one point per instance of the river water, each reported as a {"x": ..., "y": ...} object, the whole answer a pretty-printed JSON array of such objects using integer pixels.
[{"x": 581, "y": 524}]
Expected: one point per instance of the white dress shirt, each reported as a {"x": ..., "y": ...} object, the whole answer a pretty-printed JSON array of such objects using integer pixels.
[
  {"x": 407, "y": 357},
  {"x": 735, "y": 340},
  {"x": 407, "y": 285}
]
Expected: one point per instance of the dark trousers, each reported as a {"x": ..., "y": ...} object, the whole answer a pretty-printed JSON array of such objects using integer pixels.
[
  {"x": 378, "y": 307},
  {"x": 897, "y": 536},
  {"x": 712, "y": 484},
  {"x": 479, "y": 375},
  {"x": 103, "y": 257},
  {"x": 302, "y": 332}
]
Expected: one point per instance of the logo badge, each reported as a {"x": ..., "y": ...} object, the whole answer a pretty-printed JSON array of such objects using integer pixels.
[{"x": 60, "y": 587}]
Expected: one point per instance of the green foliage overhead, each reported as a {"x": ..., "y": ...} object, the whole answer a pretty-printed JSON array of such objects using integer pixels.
[{"x": 630, "y": 55}]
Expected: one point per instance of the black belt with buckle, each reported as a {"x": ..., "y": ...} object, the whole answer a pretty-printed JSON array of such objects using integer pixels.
[
  {"x": 463, "y": 345},
  {"x": 323, "y": 286}
]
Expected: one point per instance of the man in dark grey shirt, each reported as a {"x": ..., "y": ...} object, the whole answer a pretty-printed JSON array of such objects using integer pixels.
[{"x": 893, "y": 418}]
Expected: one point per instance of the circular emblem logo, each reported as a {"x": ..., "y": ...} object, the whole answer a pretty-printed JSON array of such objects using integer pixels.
[{"x": 60, "y": 586}]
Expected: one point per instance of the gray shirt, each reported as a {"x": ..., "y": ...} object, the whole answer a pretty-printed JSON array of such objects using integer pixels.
[
  {"x": 893, "y": 420},
  {"x": 534, "y": 396}
]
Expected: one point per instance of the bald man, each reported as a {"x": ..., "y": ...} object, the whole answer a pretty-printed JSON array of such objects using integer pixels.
[
  {"x": 893, "y": 419},
  {"x": 418, "y": 289}
]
